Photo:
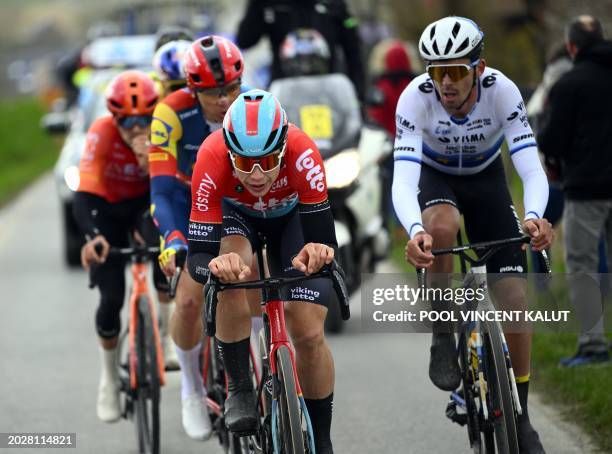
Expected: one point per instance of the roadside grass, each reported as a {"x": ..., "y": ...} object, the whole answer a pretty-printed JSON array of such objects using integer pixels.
[
  {"x": 26, "y": 151},
  {"x": 581, "y": 395}
]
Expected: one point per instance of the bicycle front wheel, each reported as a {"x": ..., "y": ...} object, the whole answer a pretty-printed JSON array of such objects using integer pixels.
[
  {"x": 148, "y": 392},
  {"x": 499, "y": 391},
  {"x": 292, "y": 435}
]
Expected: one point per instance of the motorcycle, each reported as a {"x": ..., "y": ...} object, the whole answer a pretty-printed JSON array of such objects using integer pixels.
[{"x": 326, "y": 108}]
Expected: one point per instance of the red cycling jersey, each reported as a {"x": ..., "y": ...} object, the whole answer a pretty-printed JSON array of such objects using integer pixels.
[
  {"x": 109, "y": 168},
  {"x": 301, "y": 180}
]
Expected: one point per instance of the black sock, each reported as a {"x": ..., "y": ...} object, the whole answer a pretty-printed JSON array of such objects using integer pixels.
[
  {"x": 523, "y": 392},
  {"x": 320, "y": 412},
  {"x": 235, "y": 357}
]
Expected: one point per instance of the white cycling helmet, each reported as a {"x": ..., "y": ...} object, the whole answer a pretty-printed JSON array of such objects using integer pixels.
[{"x": 451, "y": 37}]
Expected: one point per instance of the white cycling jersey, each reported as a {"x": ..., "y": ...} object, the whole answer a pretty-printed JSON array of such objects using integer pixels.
[{"x": 427, "y": 133}]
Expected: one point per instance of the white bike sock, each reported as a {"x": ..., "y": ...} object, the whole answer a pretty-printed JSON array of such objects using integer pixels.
[
  {"x": 165, "y": 313},
  {"x": 109, "y": 363},
  {"x": 191, "y": 373}
]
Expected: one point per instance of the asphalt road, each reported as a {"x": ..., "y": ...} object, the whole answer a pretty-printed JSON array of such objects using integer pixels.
[{"x": 49, "y": 369}]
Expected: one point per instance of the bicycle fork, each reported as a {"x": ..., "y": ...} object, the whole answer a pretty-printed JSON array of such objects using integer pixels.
[{"x": 275, "y": 311}]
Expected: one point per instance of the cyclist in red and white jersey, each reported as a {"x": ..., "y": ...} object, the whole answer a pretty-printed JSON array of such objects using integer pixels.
[{"x": 261, "y": 175}]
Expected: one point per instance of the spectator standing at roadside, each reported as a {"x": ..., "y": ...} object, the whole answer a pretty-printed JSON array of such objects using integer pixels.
[
  {"x": 277, "y": 18},
  {"x": 395, "y": 76},
  {"x": 575, "y": 134}
]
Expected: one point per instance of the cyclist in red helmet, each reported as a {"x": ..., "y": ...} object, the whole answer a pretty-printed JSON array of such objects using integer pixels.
[
  {"x": 213, "y": 68},
  {"x": 111, "y": 202}
]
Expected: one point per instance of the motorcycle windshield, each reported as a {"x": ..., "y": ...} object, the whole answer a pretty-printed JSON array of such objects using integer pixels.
[{"x": 325, "y": 107}]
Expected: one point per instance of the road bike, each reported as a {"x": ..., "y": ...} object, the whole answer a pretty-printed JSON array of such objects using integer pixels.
[
  {"x": 285, "y": 425},
  {"x": 142, "y": 369},
  {"x": 487, "y": 401}
]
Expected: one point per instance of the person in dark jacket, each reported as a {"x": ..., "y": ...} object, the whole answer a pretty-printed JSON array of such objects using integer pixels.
[
  {"x": 575, "y": 135},
  {"x": 276, "y": 18}
]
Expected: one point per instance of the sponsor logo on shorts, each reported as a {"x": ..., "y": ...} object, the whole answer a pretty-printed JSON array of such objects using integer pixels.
[
  {"x": 511, "y": 269},
  {"x": 304, "y": 294}
]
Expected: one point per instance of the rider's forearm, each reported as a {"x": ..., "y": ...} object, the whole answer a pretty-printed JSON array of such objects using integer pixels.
[
  {"x": 161, "y": 201},
  {"x": 318, "y": 223},
  {"x": 406, "y": 176},
  {"x": 86, "y": 206},
  {"x": 535, "y": 183}
]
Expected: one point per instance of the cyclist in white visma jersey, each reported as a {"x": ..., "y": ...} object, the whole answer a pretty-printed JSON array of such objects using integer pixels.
[
  {"x": 451, "y": 123},
  {"x": 428, "y": 133}
]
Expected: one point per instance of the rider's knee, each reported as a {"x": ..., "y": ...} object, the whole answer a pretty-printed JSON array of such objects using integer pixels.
[
  {"x": 187, "y": 307},
  {"x": 308, "y": 339},
  {"x": 511, "y": 295},
  {"x": 443, "y": 233}
]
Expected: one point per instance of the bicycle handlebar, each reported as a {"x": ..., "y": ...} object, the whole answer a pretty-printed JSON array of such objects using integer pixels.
[
  {"x": 488, "y": 248},
  {"x": 332, "y": 271},
  {"x": 137, "y": 253}
]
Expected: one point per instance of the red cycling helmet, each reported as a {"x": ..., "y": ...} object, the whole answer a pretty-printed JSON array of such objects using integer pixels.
[
  {"x": 131, "y": 93},
  {"x": 212, "y": 61}
]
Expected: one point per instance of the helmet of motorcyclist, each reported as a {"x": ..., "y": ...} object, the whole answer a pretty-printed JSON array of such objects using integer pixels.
[
  {"x": 172, "y": 33},
  {"x": 212, "y": 61},
  {"x": 131, "y": 93},
  {"x": 450, "y": 38},
  {"x": 304, "y": 52},
  {"x": 168, "y": 64},
  {"x": 255, "y": 125}
]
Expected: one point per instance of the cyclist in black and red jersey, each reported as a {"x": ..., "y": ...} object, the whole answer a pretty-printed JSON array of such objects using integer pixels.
[{"x": 262, "y": 175}]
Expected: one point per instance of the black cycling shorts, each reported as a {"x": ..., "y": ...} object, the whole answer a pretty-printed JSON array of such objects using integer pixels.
[
  {"x": 485, "y": 203},
  {"x": 283, "y": 239}
]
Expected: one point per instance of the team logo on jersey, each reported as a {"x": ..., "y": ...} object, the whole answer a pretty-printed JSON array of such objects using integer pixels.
[
  {"x": 426, "y": 87},
  {"x": 463, "y": 139},
  {"x": 404, "y": 123},
  {"x": 160, "y": 133},
  {"x": 489, "y": 80},
  {"x": 279, "y": 184},
  {"x": 315, "y": 175}
]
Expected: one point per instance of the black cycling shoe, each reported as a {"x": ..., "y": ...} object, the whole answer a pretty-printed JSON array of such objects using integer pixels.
[
  {"x": 444, "y": 369},
  {"x": 528, "y": 439},
  {"x": 241, "y": 416}
]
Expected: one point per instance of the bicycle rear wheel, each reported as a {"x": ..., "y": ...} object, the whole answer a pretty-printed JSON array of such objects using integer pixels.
[
  {"x": 148, "y": 392},
  {"x": 292, "y": 435},
  {"x": 501, "y": 404}
]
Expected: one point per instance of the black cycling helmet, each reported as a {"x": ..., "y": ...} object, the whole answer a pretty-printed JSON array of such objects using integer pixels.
[{"x": 172, "y": 33}]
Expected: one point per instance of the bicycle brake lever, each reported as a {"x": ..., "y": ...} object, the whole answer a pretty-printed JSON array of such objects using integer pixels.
[
  {"x": 545, "y": 261},
  {"x": 210, "y": 293},
  {"x": 336, "y": 274}
]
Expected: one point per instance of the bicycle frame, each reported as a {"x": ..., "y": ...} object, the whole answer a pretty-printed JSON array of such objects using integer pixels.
[
  {"x": 478, "y": 275},
  {"x": 141, "y": 288}
]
